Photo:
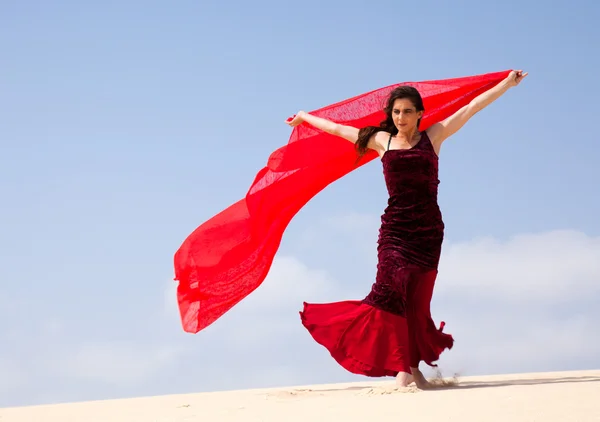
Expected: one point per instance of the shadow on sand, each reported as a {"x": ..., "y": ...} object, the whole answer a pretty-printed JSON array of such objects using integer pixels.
[
  {"x": 456, "y": 384},
  {"x": 506, "y": 383}
]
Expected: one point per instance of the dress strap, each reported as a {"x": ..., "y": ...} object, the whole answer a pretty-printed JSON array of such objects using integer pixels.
[{"x": 428, "y": 141}]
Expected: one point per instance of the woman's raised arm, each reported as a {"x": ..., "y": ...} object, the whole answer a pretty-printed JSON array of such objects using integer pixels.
[
  {"x": 343, "y": 131},
  {"x": 439, "y": 132}
]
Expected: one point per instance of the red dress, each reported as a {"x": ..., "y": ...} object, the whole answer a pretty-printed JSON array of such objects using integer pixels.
[{"x": 391, "y": 330}]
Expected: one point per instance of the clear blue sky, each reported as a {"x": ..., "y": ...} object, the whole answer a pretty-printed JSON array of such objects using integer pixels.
[{"x": 124, "y": 125}]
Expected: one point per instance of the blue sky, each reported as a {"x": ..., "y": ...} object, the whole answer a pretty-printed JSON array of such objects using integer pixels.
[{"x": 125, "y": 125}]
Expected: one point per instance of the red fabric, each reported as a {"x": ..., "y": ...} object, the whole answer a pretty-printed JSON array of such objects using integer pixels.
[
  {"x": 362, "y": 339},
  {"x": 426, "y": 341},
  {"x": 369, "y": 341},
  {"x": 229, "y": 256}
]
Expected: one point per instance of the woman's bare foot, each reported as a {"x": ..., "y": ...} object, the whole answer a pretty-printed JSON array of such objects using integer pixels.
[
  {"x": 420, "y": 379},
  {"x": 404, "y": 379}
]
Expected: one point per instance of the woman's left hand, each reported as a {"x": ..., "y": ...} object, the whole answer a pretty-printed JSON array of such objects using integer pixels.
[{"x": 515, "y": 77}]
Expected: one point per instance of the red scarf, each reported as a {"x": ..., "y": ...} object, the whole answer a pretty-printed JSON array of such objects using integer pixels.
[{"x": 229, "y": 256}]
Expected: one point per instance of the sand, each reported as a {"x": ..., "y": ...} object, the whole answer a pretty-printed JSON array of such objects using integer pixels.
[{"x": 548, "y": 397}]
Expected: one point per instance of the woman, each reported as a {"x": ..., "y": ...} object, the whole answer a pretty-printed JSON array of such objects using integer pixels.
[{"x": 391, "y": 331}]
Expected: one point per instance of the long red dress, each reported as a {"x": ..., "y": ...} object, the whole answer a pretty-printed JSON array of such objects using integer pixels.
[{"x": 391, "y": 330}]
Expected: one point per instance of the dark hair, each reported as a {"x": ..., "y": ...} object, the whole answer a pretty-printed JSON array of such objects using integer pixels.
[{"x": 387, "y": 125}]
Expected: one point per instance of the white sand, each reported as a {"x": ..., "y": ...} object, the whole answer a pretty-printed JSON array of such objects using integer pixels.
[{"x": 548, "y": 397}]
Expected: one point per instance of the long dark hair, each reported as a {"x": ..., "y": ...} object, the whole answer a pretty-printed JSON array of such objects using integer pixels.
[{"x": 387, "y": 125}]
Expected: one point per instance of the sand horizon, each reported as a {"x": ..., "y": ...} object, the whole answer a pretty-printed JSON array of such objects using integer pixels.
[{"x": 537, "y": 396}]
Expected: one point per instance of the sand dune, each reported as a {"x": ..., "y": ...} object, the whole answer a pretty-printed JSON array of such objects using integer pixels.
[{"x": 562, "y": 396}]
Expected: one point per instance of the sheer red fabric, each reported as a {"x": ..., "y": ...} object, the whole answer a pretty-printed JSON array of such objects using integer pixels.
[{"x": 229, "y": 256}]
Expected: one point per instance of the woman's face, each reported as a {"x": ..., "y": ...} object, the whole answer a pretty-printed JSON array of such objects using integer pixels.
[{"x": 405, "y": 115}]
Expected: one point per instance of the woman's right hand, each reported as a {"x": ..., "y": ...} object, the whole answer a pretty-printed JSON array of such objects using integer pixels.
[
  {"x": 296, "y": 119},
  {"x": 347, "y": 132}
]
